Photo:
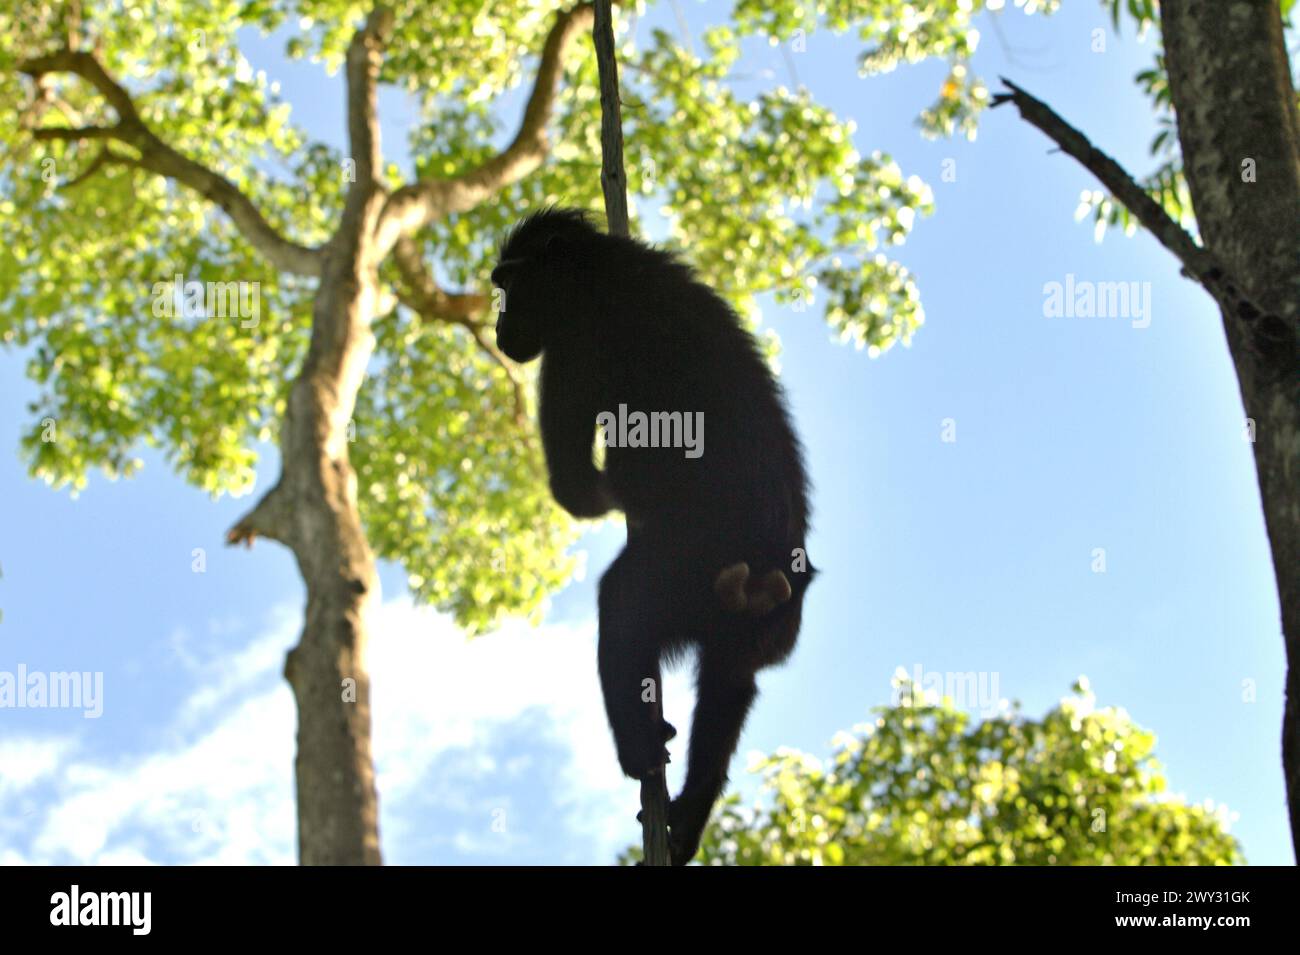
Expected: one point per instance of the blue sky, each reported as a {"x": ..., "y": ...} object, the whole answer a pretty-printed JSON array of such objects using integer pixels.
[{"x": 973, "y": 555}]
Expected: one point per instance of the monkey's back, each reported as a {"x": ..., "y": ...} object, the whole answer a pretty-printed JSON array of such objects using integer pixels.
[{"x": 670, "y": 344}]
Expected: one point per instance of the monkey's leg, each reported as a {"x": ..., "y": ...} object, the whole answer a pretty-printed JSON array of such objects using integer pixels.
[
  {"x": 631, "y": 638},
  {"x": 725, "y": 691}
]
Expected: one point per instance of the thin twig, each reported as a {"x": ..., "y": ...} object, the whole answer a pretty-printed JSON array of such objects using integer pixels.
[{"x": 1196, "y": 260}]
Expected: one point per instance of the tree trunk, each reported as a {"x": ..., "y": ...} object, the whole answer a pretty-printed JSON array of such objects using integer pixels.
[
  {"x": 313, "y": 507},
  {"x": 1231, "y": 87},
  {"x": 312, "y": 510},
  {"x": 337, "y": 805}
]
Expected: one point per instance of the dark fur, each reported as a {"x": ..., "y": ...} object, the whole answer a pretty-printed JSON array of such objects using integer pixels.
[{"x": 620, "y": 322}]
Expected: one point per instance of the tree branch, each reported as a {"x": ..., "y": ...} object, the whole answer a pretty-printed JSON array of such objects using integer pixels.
[
  {"x": 88, "y": 68},
  {"x": 421, "y": 294},
  {"x": 270, "y": 517},
  {"x": 417, "y": 204},
  {"x": 158, "y": 157},
  {"x": 364, "y": 59},
  {"x": 1196, "y": 260},
  {"x": 106, "y": 156},
  {"x": 432, "y": 300},
  {"x": 1266, "y": 332},
  {"x": 613, "y": 178}
]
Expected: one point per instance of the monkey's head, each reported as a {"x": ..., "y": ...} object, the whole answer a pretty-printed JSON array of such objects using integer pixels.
[{"x": 536, "y": 272}]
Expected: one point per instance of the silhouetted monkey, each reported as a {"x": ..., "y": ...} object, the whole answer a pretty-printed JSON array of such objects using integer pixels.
[{"x": 625, "y": 328}]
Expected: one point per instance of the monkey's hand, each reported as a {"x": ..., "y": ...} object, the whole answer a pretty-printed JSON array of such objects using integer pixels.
[{"x": 756, "y": 597}]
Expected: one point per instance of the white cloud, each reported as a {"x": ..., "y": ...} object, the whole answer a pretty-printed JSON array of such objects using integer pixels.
[
  {"x": 434, "y": 691},
  {"x": 453, "y": 719},
  {"x": 28, "y": 760},
  {"x": 220, "y": 797}
]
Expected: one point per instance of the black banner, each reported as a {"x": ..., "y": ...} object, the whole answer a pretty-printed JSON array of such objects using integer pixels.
[{"x": 236, "y": 904}]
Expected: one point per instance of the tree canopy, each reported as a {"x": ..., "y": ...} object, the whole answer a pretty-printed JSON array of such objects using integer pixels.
[
  {"x": 925, "y": 783},
  {"x": 768, "y": 194}
]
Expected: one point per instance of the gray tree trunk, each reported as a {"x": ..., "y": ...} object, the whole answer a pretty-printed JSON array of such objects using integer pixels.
[
  {"x": 313, "y": 507},
  {"x": 337, "y": 807},
  {"x": 1232, "y": 89}
]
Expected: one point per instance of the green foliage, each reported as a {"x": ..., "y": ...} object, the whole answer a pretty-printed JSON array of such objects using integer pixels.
[
  {"x": 1142, "y": 12},
  {"x": 773, "y": 198},
  {"x": 924, "y": 784},
  {"x": 766, "y": 193},
  {"x": 79, "y": 264},
  {"x": 894, "y": 33},
  {"x": 463, "y": 506}
]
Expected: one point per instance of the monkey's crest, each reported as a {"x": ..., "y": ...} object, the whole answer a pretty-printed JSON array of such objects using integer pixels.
[{"x": 537, "y": 231}]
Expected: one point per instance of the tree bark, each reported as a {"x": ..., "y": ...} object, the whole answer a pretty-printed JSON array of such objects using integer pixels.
[
  {"x": 338, "y": 809},
  {"x": 313, "y": 511},
  {"x": 1231, "y": 87},
  {"x": 338, "y": 812},
  {"x": 313, "y": 508}
]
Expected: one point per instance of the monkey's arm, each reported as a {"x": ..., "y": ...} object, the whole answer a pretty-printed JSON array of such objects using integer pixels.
[{"x": 568, "y": 419}]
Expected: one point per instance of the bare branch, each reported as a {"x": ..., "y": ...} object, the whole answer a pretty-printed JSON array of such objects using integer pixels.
[
  {"x": 654, "y": 817},
  {"x": 1196, "y": 260},
  {"x": 1265, "y": 332},
  {"x": 417, "y": 204},
  {"x": 462, "y": 308},
  {"x": 613, "y": 178},
  {"x": 158, "y": 157},
  {"x": 101, "y": 159},
  {"x": 85, "y": 65},
  {"x": 613, "y": 181},
  {"x": 270, "y": 518},
  {"x": 365, "y": 196}
]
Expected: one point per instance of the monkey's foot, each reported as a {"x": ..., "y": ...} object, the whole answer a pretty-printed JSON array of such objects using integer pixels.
[
  {"x": 730, "y": 587},
  {"x": 686, "y": 822},
  {"x": 739, "y": 594}
]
